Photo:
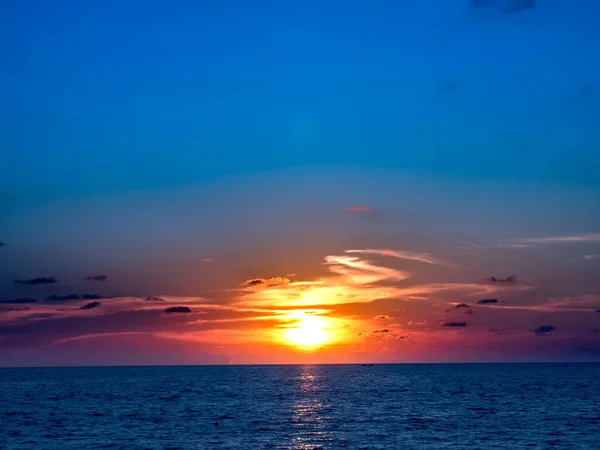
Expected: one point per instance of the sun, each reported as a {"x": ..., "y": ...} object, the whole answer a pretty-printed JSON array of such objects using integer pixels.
[{"x": 308, "y": 333}]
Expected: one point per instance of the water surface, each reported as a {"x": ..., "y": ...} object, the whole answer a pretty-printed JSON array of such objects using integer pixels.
[{"x": 499, "y": 406}]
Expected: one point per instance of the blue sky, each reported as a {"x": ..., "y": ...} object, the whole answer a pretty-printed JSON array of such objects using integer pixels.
[
  {"x": 108, "y": 96},
  {"x": 141, "y": 138}
]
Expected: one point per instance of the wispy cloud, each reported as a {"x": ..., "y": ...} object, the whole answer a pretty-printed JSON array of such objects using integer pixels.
[
  {"x": 402, "y": 254},
  {"x": 358, "y": 208},
  {"x": 581, "y": 304},
  {"x": 573, "y": 238},
  {"x": 360, "y": 271}
]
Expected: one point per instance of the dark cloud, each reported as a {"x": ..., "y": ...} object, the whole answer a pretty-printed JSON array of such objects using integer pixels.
[
  {"x": 493, "y": 330},
  {"x": 2, "y": 244},
  {"x": 90, "y": 305},
  {"x": 178, "y": 309},
  {"x": 598, "y": 310},
  {"x": 454, "y": 324},
  {"x": 383, "y": 317},
  {"x": 544, "y": 329},
  {"x": 469, "y": 311},
  {"x": 507, "y": 280},
  {"x": 385, "y": 330},
  {"x": 461, "y": 305},
  {"x": 71, "y": 297},
  {"x": 154, "y": 299},
  {"x": 487, "y": 301},
  {"x": 96, "y": 278},
  {"x": 38, "y": 280},
  {"x": 267, "y": 281},
  {"x": 19, "y": 300}
]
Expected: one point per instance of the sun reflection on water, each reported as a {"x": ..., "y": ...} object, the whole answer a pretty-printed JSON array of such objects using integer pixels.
[{"x": 310, "y": 410}]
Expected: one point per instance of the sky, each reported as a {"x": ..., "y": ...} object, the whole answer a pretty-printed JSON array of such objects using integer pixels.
[{"x": 299, "y": 182}]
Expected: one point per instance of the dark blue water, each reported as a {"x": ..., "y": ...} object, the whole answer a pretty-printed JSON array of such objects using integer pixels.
[{"x": 499, "y": 406}]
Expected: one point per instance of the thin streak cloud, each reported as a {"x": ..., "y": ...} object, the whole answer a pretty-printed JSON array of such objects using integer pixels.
[
  {"x": 574, "y": 238},
  {"x": 402, "y": 254}
]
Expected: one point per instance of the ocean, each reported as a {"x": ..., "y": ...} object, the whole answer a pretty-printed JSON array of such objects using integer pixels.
[{"x": 428, "y": 406}]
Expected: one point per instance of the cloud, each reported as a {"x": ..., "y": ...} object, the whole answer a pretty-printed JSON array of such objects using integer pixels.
[
  {"x": 154, "y": 299},
  {"x": 38, "y": 280},
  {"x": 588, "y": 257},
  {"x": 178, "y": 310},
  {"x": 402, "y": 254},
  {"x": 544, "y": 329},
  {"x": 18, "y": 301},
  {"x": 383, "y": 317},
  {"x": 461, "y": 305},
  {"x": 90, "y": 305},
  {"x": 454, "y": 324},
  {"x": 487, "y": 301},
  {"x": 71, "y": 297},
  {"x": 276, "y": 281},
  {"x": 2, "y": 244},
  {"x": 358, "y": 208},
  {"x": 207, "y": 260},
  {"x": 574, "y": 238},
  {"x": 598, "y": 310},
  {"x": 385, "y": 330},
  {"x": 508, "y": 280},
  {"x": 96, "y": 278},
  {"x": 360, "y": 271}
]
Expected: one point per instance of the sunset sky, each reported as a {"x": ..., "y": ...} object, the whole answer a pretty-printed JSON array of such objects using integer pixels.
[{"x": 291, "y": 182}]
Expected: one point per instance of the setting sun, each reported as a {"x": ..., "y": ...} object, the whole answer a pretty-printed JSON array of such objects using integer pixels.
[{"x": 308, "y": 333}]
